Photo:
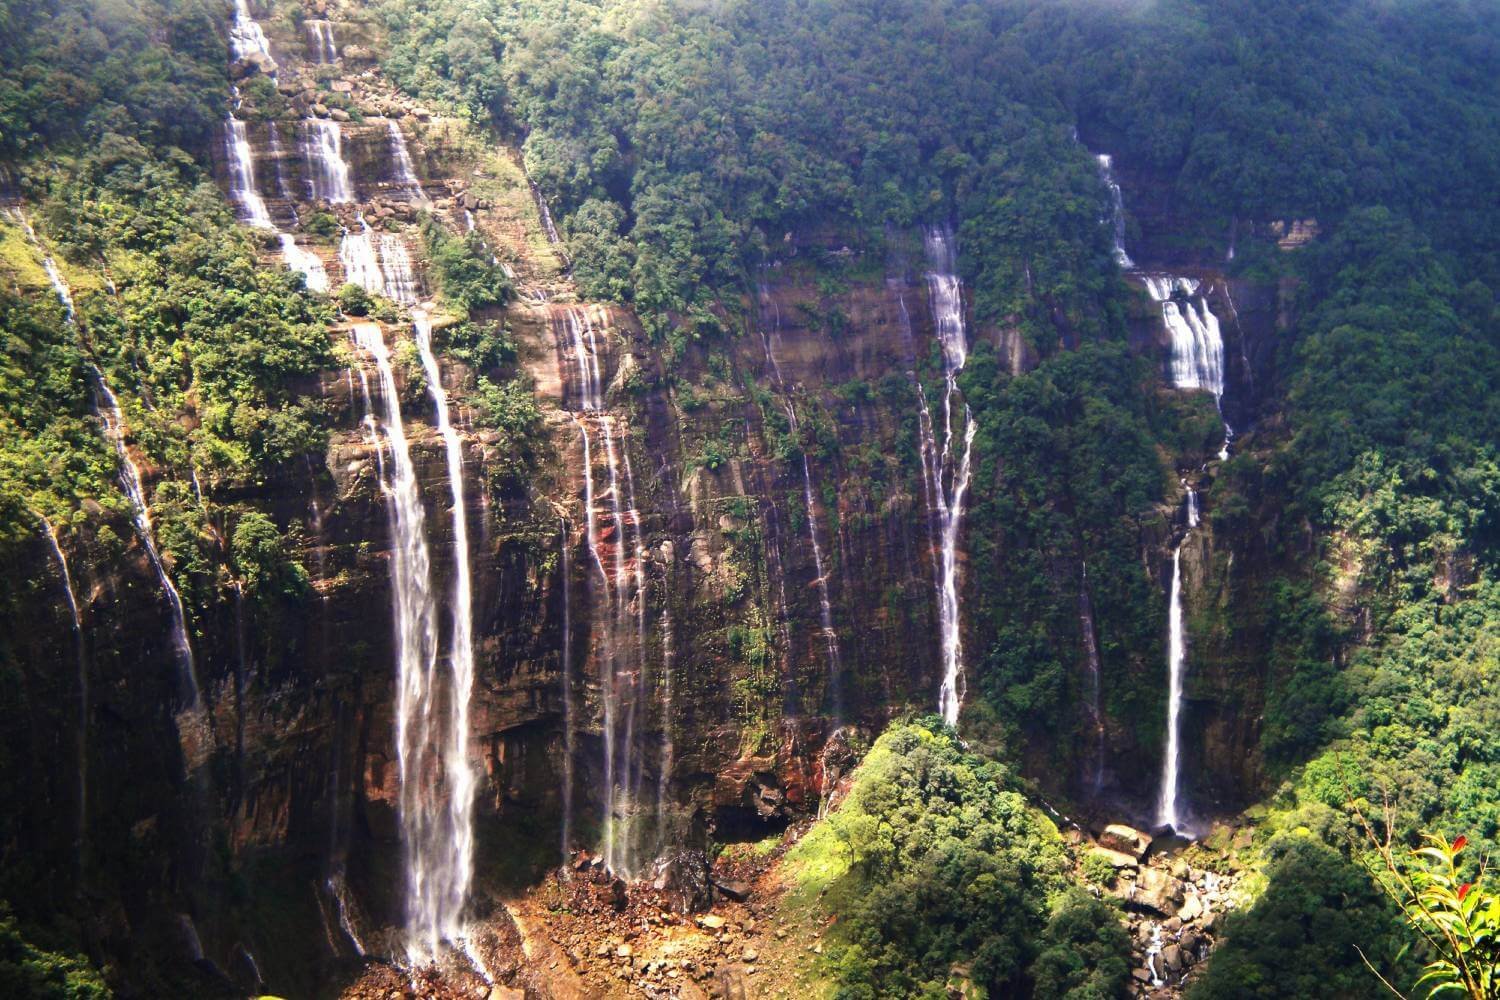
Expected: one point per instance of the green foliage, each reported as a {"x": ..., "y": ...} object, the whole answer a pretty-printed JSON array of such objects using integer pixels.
[
  {"x": 482, "y": 346},
  {"x": 1458, "y": 918},
  {"x": 262, "y": 560},
  {"x": 353, "y": 300},
  {"x": 1084, "y": 952},
  {"x": 944, "y": 865},
  {"x": 1066, "y": 471},
  {"x": 464, "y": 268},
  {"x": 1303, "y": 937},
  {"x": 28, "y": 972},
  {"x": 79, "y": 70}
]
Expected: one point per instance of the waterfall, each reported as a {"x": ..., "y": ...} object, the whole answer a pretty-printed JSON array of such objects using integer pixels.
[
  {"x": 401, "y": 164},
  {"x": 1116, "y": 219},
  {"x": 769, "y": 334},
  {"x": 567, "y": 687},
  {"x": 396, "y": 271},
  {"x": 1095, "y": 774},
  {"x": 320, "y": 41},
  {"x": 245, "y": 36},
  {"x": 304, "y": 262},
  {"x": 108, "y": 408},
  {"x": 545, "y": 213},
  {"x": 130, "y": 481},
  {"x": 50, "y": 532},
  {"x": 948, "y": 473},
  {"x": 1167, "y": 812},
  {"x": 278, "y": 160},
  {"x": 357, "y": 255},
  {"x": 1197, "y": 360},
  {"x": 323, "y": 147},
  {"x": 460, "y": 773},
  {"x": 437, "y": 856},
  {"x": 242, "y": 186},
  {"x": 1197, "y": 346},
  {"x": 622, "y": 668},
  {"x": 245, "y": 193}
]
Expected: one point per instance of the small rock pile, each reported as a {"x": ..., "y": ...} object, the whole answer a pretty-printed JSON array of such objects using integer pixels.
[{"x": 1173, "y": 907}]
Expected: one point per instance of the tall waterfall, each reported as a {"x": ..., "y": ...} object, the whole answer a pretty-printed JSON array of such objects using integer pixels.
[
  {"x": 770, "y": 331},
  {"x": 401, "y": 164},
  {"x": 1095, "y": 773},
  {"x": 328, "y": 172},
  {"x": 617, "y": 582},
  {"x": 436, "y": 779},
  {"x": 947, "y": 468},
  {"x": 130, "y": 482},
  {"x": 108, "y": 408},
  {"x": 320, "y": 41},
  {"x": 50, "y": 532},
  {"x": 242, "y": 187},
  {"x": 245, "y": 36},
  {"x": 1197, "y": 344},
  {"x": 1167, "y": 812},
  {"x": 1116, "y": 218},
  {"x": 463, "y": 781}
]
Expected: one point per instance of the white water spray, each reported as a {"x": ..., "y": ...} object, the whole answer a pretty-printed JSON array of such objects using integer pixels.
[
  {"x": 948, "y": 468},
  {"x": 436, "y": 851},
  {"x": 328, "y": 176},
  {"x": 1167, "y": 809}
]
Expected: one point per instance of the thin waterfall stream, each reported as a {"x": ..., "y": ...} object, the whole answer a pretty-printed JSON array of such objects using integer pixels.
[{"x": 948, "y": 467}]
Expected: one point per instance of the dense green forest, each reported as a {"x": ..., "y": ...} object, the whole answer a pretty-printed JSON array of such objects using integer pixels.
[{"x": 685, "y": 150}]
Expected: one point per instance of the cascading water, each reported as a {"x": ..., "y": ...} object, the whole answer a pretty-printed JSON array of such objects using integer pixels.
[
  {"x": 399, "y": 279},
  {"x": 1116, "y": 218},
  {"x": 770, "y": 331},
  {"x": 623, "y": 678},
  {"x": 401, "y": 165},
  {"x": 304, "y": 262},
  {"x": 246, "y": 38},
  {"x": 130, "y": 481},
  {"x": 1167, "y": 809},
  {"x": 320, "y": 41},
  {"x": 436, "y": 780},
  {"x": 1197, "y": 343},
  {"x": 108, "y": 408},
  {"x": 947, "y": 468},
  {"x": 328, "y": 173},
  {"x": 246, "y": 194},
  {"x": 360, "y": 262},
  {"x": 242, "y": 187}
]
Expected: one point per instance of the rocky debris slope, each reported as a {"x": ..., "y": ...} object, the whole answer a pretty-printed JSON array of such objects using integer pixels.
[{"x": 1174, "y": 893}]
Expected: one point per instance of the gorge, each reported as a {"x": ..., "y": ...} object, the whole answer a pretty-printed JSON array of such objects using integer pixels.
[{"x": 563, "y": 500}]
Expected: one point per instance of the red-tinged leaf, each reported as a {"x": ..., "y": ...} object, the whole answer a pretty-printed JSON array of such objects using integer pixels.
[
  {"x": 1458, "y": 844},
  {"x": 1463, "y": 890}
]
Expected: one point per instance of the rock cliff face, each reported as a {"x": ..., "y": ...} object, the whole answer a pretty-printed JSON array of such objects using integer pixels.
[{"x": 707, "y": 626}]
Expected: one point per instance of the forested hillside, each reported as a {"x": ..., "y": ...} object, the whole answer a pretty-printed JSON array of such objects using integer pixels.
[{"x": 861, "y": 498}]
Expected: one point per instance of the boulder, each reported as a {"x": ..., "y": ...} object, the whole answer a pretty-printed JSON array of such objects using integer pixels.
[
  {"x": 735, "y": 889},
  {"x": 685, "y": 879},
  {"x": 338, "y": 114},
  {"x": 1127, "y": 840},
  {"x": 1117, "y": 859},
  {"x": 499, "y": 992},
  {"x": 711, "y": 922},
  {"x": 342, "y": 86},
  {"x": 1155, "y": 891},
  {"x": 254, "y": 63}
]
